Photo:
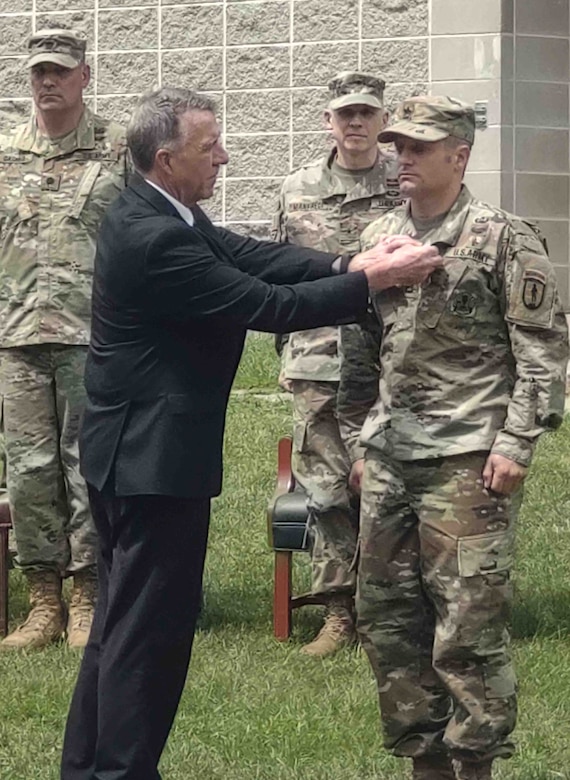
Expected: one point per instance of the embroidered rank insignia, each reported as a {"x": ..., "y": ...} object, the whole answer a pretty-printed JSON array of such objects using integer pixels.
[{"x": 534, "y": 287}]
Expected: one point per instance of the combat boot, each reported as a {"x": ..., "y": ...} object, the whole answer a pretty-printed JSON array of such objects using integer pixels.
[
  {"x": 46, "y": 620},
  {"x": 337, "y": 631},
  {"x": 81, "y": 607},
  {"x": 437, "y": 767},
  {"x": 468, "y": 770}
]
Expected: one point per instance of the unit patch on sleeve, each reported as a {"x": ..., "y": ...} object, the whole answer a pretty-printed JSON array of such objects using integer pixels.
[{"x": 534, "y": 287}]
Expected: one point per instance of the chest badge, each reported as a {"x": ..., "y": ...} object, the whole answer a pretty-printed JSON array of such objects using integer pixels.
[
  {"x": 463, "y": 304},
  {"x": 50, "y": 182},
  {"x": 534, "y": 287}
]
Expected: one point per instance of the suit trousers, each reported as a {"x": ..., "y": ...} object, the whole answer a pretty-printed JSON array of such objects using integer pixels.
[{"x": 151, "y": 559}]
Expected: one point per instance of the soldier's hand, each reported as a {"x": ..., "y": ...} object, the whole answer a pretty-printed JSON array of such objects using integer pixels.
[
  {"x": 355, "y": 476},
  {"x": 396, "y": 262},
  {"x": 502, "y": 475},
  {"x": 284, "y": 383}
]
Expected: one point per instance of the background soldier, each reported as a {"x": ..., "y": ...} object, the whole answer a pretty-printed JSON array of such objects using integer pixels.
[
  {"x": 473, "y": 371},
  {"x": 58, "y": 173},
  {"x": 326, "y": 205}
]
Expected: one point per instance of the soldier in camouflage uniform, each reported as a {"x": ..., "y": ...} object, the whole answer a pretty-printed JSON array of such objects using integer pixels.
[
  {"x": 326, "y": 205},
  {"x": 473, "y": 370},
  {"x": 58, "y": 173}
]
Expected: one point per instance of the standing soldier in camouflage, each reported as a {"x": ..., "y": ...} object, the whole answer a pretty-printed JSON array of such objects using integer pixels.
[
  {"x": 58, "y": 173},
  {"x": 473, "y": 371},
  {"x": 326, "y": 205}
]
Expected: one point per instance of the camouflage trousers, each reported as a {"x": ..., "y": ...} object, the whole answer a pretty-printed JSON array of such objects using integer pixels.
[
  {"x": 43, "y": 395},
  {"x": 321, "y": 466},
  {"x": 433, "y": 605}
]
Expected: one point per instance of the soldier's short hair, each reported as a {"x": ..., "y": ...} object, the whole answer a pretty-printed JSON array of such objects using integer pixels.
[{"x": 155, "y": 121}]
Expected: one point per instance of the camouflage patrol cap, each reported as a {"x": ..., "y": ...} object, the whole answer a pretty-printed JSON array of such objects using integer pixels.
[
  {"x": 431, "y": 118},
  {"x": 351, "y": 88},
  {"x": 57, "y": 45}
]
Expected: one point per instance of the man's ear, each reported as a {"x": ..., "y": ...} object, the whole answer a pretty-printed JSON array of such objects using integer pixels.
[
  {"x": 327, "y": 115},
  {"x": 85, "y": 75},
  {"x": 162, "y": 161},
  {"x": 462, "y": 154}
]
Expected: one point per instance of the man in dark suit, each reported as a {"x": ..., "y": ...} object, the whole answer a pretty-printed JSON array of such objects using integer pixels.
[{"x": 172, "y": 299}]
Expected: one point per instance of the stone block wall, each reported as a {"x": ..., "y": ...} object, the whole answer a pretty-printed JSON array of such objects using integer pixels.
[
  {"x": 513, "y": 57},
  {"x": 267, "y": 62}
]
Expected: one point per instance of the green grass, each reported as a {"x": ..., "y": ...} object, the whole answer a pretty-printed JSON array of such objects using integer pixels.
[
  {"x": 255, "y": 709},
  {"x": 259, "y": 367}
]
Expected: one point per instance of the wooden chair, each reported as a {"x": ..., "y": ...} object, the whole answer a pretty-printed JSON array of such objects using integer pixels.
[
  {"x": 287, "y": 517},
  {"x": 5, "y": 525}
]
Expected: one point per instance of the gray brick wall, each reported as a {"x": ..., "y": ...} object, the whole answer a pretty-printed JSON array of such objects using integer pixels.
[
  {"x": 267, "y": 62},
  {"x": 513, "y": 57}
]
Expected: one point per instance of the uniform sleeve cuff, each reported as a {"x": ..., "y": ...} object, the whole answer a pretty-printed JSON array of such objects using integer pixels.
[{"x": 514, "y": 447}]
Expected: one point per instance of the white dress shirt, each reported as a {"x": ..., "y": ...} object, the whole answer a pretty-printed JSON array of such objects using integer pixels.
[{"x": 183, "y": 210}]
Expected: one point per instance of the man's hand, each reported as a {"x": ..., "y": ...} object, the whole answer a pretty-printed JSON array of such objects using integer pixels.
[
  {"x": 396, "y": 261},
  {"x": 502, "y": 475},
  {"x": 355, "y": 476},
  {"x": 284, "y": 383}
]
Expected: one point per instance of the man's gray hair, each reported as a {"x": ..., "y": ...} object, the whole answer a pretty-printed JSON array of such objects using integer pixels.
[{"x": 155, "y": 122}]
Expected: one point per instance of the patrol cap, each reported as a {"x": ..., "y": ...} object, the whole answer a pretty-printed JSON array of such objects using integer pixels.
[
  {"x": 57, "y": 45},
  {"x": 431, "y": 118},
  {"x": 351, "y": 88}
]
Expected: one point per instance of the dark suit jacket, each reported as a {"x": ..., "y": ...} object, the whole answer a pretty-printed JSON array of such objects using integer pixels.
[{"x": 171, "y": 305}]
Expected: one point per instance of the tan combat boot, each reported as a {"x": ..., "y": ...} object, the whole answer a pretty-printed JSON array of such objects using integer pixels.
[
  {"x": 81, "y": 607},
  {"x": 46, "y": 621},
  {"x": 337, "y": 631},
  {"x": 467, "y": 770},
  {"x": 433, "y": 768}
]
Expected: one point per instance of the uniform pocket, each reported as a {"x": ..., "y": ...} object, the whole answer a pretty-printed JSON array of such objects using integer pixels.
[
  {"x": 21, "y": 217},
  {"x": 436, "y": 295},
  {"x": 500, "y": 682},
  {"x": 299, "y": 436},
  {"x": 485, "y": 553}
]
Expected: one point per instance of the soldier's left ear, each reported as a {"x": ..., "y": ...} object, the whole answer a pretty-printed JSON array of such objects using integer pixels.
[{"x": 327, "y": 116}]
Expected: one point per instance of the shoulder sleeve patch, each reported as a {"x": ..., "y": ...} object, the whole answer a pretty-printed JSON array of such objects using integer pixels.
[{"x": 532, "y": 289}]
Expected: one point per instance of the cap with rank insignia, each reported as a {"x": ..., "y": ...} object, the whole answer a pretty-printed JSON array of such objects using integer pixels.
[
  {"x": 428, "y": 118},
  {"x": 60, "y": 46},
  {"x": 351, "y": 88}
]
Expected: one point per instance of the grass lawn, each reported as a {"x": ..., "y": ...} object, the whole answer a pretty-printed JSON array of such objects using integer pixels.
[{"x": 255, "y": 709}]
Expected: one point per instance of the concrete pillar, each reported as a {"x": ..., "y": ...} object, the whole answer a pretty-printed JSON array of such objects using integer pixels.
[{"x": 511, "y": 58}]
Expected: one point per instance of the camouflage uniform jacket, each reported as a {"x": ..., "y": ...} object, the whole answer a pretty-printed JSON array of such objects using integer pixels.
[
  {"x": 475, "y": 359},
  {"x": 53, "y": 195},
  {"x": 316, "y": 210}
]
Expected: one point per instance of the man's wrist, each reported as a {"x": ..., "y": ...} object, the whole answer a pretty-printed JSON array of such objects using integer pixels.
[{"x": 341, "y": 262}]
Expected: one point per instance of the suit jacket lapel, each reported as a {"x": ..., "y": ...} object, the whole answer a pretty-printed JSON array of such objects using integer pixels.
[
  {"x": 202, "y": 222},
  {"x": 152, "y": 196},
  {"x": 210, "y": 233}
]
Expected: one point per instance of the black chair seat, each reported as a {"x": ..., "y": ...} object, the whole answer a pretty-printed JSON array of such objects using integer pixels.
[{"x": 289, "y": 522}]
